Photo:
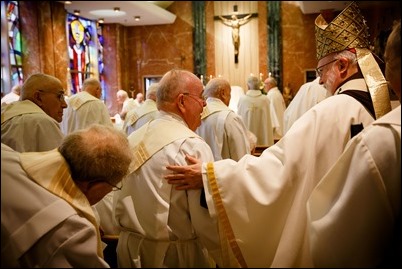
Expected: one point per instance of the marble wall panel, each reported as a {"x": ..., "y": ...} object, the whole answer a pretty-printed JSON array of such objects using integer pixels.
[
  {"x": 210, "y": 37},
  {"x": 111, "y": 65},
  {"x": 159, "y": 48},
  {"x": 61, "y": 59},
  {"x": 44, "y": 39},
  {"x": 298, "y": 45},
  {"x": 263, "y": 37},
  {"x": 29, "y": 37}
]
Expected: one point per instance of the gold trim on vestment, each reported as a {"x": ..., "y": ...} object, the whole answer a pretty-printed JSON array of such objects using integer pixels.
[
  {"x": 375, "y": 81},
  {"x": 223, "y": 217}
]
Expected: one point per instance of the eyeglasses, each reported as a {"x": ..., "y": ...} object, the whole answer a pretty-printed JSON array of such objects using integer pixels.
[
  {"x": 320, "y": 69},
  {"x": 114, "y": 187},
  {"x": 60, "y": 95},
  {"x": 196, "y": 99}
]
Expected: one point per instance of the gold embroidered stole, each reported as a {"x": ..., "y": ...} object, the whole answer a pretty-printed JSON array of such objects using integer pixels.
[
  {"x": 76, "y": 101},
  {"x": 223, "y": 220},
  {"x": 375, "y": 81},
  {"x": 152, "y": 137},
  {"x": 50, "y": 170}
]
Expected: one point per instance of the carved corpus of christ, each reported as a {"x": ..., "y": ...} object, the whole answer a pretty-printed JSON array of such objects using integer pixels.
[{"x": 235, "y": 23}]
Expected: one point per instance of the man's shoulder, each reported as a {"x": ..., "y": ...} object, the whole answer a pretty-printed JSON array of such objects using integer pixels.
[
  {"x": 94, "y": 102},
  {"x": 31, "y": 118}
]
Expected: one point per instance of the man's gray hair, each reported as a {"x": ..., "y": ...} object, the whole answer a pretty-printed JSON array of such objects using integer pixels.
[
  {"x": 214, "y": 86},
  {"x": 99, "y": 152},
  {"x": 253, "y": 83},
  {"x": 94, "y": 82}
]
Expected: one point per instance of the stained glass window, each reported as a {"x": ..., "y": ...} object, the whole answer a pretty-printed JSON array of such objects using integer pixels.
[
  {"x": 14, "y": 69},
  {"x": 85, "y": 50},
  {"x": 100, "y": 59}
]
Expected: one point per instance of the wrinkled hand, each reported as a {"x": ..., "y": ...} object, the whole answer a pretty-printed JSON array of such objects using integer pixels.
[{"x": 186, "y": 177}]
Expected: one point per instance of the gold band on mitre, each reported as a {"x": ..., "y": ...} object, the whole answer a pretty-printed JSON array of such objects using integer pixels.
[{"x": 349, "y": 31}]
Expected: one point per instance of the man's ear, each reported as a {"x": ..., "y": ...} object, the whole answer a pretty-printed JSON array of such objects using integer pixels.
[
  {"x": 180, "y": 103},
  {"x": 222, "y": 93},
  {"x": 343, "y": 64},
  {"x": 37, "y": 98}
]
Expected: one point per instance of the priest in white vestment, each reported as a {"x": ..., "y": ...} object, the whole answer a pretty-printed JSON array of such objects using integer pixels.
[
  {"x": 255, "y": 110},
  {"x": 354, "y": 213},
  {"x": 46, "y": 197},
  {"x": 262, "y": 201},
  {"x": 160, "y": 226},
  {"x": 222, "y": 128},
  {"x": 32, "y": 124},
  {"x": 85, "y": 108},
  {"x": 143, "y": 113},
  {"x": 277, "y": 108}
]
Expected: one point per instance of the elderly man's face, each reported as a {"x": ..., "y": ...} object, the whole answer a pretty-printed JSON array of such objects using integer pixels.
[
  {"x": 120, "y": 99},
  {"x": 53, "y": 103},
  {"x": 194, "y": 104},
  {"x": 328, "y": 73}
]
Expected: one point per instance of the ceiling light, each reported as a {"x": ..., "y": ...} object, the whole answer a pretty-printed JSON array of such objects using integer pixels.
[
  {"x": 116, "y": 9},
  {"x": 101, "y": 20},
  {"x": 67, "y": 2},
  {"x": 76, "y": 12},
  {"x": 137, "y": 18}
]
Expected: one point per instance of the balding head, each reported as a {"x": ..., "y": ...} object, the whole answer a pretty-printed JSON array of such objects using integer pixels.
[
  {"x": 139, "y": 97},
  {"x": 40, "y": 82},
  {"x": 93, "y": 87},
  {"x": 180, "y": 93},
  {"x": 46, "y": 92},
  {"x": 218, "y": 88},
  {"x": 88, "y": 151}
]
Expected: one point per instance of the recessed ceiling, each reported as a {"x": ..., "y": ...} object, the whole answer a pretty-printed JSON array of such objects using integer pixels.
[
  {"x": 151, "y": 12},
  {"x": 311, "y": 7}
]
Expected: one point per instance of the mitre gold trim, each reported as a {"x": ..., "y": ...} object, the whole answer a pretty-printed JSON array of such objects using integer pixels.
[{"x": 347, "y": 30}]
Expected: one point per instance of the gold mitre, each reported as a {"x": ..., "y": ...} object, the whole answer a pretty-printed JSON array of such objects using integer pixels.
[{"x": 349, "y": 31}]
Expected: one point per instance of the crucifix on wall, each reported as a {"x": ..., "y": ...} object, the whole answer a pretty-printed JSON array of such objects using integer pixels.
[{"x": 235, "y": 21}]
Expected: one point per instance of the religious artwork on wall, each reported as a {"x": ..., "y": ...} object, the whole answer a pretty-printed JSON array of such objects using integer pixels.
[
  {"x": 14, "y": 38},
  {"x": 235, "y": 23},
  {"x": 100, "y": 60},
  {"x": 83, "y": 51}
]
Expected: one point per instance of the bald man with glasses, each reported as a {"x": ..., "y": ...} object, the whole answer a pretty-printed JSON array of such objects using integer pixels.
[
  {"x": 32, "y": 123},
  {"x": 160, "y": 226}
]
